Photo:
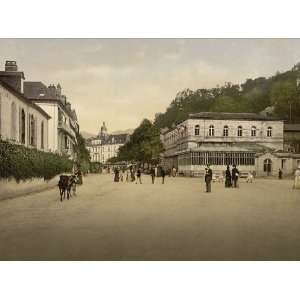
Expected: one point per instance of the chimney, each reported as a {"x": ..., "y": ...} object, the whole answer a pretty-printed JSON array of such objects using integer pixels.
[
  {"x": 52, "y": 90},
  {"x": 68, "y": 106},
  {"x": 12, "y": 76}
]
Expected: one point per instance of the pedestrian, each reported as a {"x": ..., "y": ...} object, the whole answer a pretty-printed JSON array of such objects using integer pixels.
[
  {"x": 132, "y": 174},
  {"x": 249, "y": 177},
  {"x": 280, "y": 174},
  {"x": 152, "y": 173},
  {"x": 297, "y": 179},
  {"x": 127, "y": 175},
  {"x": 174, "y": 172},
  {"x": 138, "y": 176},
  {"x": 116, "y": 177},
  {"x": 163, "y": 174},
  {"x": 235, "y": 176},
  {"x": 227, "y": 177},
  {"x": 208, "y": 179}
]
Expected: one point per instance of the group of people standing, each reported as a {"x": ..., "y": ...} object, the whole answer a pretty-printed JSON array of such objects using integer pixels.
[
  {"x": 128, "y": 174},
  {"x": 154, "y": 173},
  {"x": 231, "y": 177},
  {"x": 132, "y": 174}
]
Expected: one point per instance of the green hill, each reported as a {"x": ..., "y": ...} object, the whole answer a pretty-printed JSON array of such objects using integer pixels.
[{"x": 281, "y": 91}]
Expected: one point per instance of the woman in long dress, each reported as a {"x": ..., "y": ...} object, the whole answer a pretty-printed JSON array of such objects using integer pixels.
[
  {"x": 297, "y": 179},
  {"x": 228, "y": 177}
]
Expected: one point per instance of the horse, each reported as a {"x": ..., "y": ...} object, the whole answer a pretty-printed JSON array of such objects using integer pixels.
[{"x": 65, "y": 184}]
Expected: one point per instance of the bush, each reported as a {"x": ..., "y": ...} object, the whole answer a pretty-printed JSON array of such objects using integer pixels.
[
  {"x": 23, "y": 163},
  {"x": 95, "y": 167}
]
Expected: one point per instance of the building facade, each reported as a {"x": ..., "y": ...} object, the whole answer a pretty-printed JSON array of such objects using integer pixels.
[
  {"x": 21, "y": 121},
  {"x": 63, "y": 125},
  {"x": 105, "y": 146},
  {"x": 253, "y": 142}
]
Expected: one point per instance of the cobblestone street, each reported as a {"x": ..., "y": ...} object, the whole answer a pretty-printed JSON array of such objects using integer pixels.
[{"x": 175, "y": 221}]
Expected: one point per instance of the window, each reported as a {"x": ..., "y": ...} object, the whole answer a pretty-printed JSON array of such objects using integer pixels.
[
  {"x": 66, "y": 142},
  {"x": 253, "y": 131},
  {"x": 211, "y": 131},
  {"x": 0, "y": 115},
  {"x": 32, "y": 130},
  {"x": 42, "y": 135},
  {"x": 240, "y": 131},
  {"x": 197, "y": 130},
  {"x": 13, "y": 121},
  {"x": 225, "y": 130},
  {"x": 22, "y": 126},
  {"x": 269, "y": 131}
]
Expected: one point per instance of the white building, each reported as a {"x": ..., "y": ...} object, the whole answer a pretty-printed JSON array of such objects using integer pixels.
[
  {"x": 105, "y": 146},
  {"x": 253, "y": 142},
  {"x": 21, "y": 121},
  {"x": 63, "y": 125}
]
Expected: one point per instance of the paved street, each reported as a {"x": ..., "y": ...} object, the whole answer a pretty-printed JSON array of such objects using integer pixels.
[{"x": 175, "y": 221}]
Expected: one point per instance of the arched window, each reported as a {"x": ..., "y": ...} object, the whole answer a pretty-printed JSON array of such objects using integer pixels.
[
  {"x": 253, "y": 131},
  {"x": 225, "y": 130},
  {"x": 22, "y": 126},
  {"x": 42, "y": 135},
  {"x": 0, "y": 116},
  {"x": 32, "y": 131},
  {"x": 211, "y": 131},
  {"x": 269, "y": 131},
  {"x": 240, "y": 131},
  {"x": 268, "y": 166},
  {"x": 197, "y": 130},
  {"x": 13, "y": 132}
]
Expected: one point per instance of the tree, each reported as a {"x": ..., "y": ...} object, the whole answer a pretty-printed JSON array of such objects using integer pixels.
[
  {"x": 144, "y": 145},
  {"x": 82, "y": 154},
  {"x": 285, "y": 98}
]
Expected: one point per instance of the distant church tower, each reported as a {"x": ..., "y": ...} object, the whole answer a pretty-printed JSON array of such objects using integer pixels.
[{"x": 103, "y": 131}]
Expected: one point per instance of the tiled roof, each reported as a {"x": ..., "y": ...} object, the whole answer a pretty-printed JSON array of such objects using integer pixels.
[
  {"x": 24, "y": 99},
  {"x": 36, "y": 90}
]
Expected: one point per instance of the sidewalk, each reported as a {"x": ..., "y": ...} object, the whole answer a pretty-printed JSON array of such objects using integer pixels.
[{"x": 11, "y": 189}]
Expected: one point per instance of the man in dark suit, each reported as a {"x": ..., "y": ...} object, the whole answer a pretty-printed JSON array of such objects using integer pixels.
[
  {"x": 208, "y": 178},
  {"x": 235, "y": 175}
]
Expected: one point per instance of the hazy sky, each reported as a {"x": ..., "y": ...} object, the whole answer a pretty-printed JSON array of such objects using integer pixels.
[{"x": 122, "y": 81}]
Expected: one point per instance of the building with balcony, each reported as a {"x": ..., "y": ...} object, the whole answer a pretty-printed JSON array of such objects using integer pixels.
[
  {"x": 63, "y": 125},
  {"x": 253, "y": 142},
  {"x": 105, "y": 145},
  {"x": 21, "y": 121}
]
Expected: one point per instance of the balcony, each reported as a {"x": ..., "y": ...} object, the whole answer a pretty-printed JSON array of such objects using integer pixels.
[{"x": 67, "y": 129}]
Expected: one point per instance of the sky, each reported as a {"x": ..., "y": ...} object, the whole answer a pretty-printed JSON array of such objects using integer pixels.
[{"x": 123, "y": 81}]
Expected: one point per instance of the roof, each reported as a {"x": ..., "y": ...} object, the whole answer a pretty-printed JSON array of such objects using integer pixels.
[
  {"x": 291, "y": 127},
  {"x": 110, "y": 139},
  {"x": 12, "y": 73},
  {"x": 231, "y": 116},
  {"x": 24, "y": 99},
  {"x": 39, "y": 92},
  {"x": 36, "y": 90}
]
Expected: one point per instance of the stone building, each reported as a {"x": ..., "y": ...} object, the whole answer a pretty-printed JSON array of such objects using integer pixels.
[
  {"x": 63, "y": 125},
  {"x": 21, "y": 121},
  {"x": 105, "y": 145},
  {"x": 254, "y": 142}
]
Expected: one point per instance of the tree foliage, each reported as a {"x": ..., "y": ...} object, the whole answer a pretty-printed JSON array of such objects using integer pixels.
[
  {"x": 144, "y": 145},
  {"x": 254, "y": 95}
]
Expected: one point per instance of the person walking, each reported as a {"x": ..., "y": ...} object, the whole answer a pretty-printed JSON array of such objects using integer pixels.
[
  {"x": 280, "y": 174},
  {"x": 297, "y": 179},
  {"x": 227, "y": 177},
  {"x": 152, "y": 173},
  {"x": 235, "y": 176},
  {"x": 138, "y": 176},
  {"x": 208, "y": 179},
  {"x": 116, "y": 177},
  {"x": 163, "y": 174}
]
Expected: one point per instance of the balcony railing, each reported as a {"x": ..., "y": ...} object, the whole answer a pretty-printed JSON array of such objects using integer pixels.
[{"x": 63, "y": 126}]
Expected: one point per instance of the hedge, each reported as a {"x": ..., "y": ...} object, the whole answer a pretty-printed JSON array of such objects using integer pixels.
[{"x": 23, "y": 163}]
